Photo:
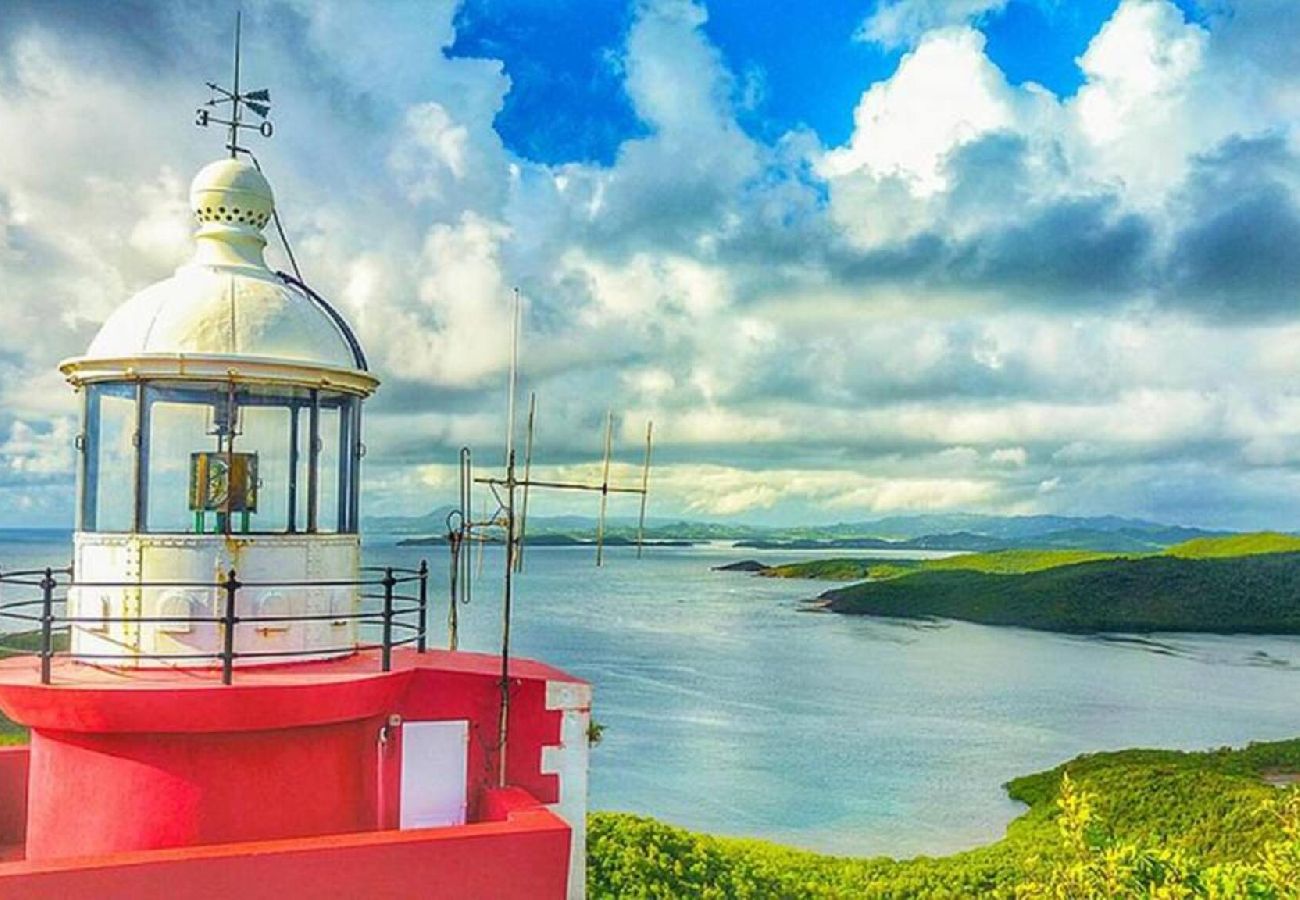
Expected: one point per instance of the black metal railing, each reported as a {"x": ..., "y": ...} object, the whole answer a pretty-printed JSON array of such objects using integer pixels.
[{"x": 402, "y": 617}]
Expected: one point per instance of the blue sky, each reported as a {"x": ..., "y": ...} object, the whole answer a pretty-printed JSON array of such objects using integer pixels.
[
  {"x": 854, "y": 259},
  {"x": 804, "y": 64}
]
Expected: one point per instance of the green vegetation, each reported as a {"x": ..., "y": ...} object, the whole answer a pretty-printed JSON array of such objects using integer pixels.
[
  {"x": 1138, "y": 823},
  {"x": 1013, "y": 562},
  {"x": 1248, "y": 594},
  {"x": 1234, "y": 583},
  {"x": 1022, "y": 561},
  {"x": 822, "y": 570},
  {"x": 1236, "y": 545},
  {"x": 998, "y": 562}
]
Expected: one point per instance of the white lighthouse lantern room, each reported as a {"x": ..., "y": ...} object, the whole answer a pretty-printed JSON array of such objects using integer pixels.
[{"x": 221, "y": 431}]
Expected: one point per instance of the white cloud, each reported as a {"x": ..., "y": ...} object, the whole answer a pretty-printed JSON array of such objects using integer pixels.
[
  {"x": 896, "y": 23},
  {"x": 927, "y": 317},
  {"x": 1141, "y": 111},
  {"x": 1011, "y": 456},
  {"x": 944, "y": 94}
]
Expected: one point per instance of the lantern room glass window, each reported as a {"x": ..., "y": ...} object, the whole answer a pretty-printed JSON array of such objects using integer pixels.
[
  {"x": 188, "y": 457},
  {"x": 109, "y": 458}
]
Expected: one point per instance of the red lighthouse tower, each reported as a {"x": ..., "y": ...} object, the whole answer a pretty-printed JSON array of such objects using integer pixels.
[{"x": 226, "y": 702}]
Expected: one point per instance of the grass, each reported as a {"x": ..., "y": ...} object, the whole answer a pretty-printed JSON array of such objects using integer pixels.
[
  {"x": 1013, "y": 562},
  {"x": 1236, "y": 545}
]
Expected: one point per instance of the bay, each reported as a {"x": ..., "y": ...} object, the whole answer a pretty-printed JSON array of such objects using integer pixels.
[{"x": 729, "y": 707}]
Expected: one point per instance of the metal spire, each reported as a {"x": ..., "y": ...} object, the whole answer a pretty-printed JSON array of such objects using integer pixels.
[{"x": 257, "y": 102}]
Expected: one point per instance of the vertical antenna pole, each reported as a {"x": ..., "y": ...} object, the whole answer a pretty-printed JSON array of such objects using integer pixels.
[
  {"x": 503, "y": 727},
  {"x": 528, "y": 476},
  {"x": 514, "y": 378},
  {"x": 645, "y": 489},
  {"x": 478, "y": 571},
  {"x": 234, "y": 106},
  {"x": 604, "y": 487},
  {"x": 458, "y": 542},
  {"x": 467, "y": 523}
]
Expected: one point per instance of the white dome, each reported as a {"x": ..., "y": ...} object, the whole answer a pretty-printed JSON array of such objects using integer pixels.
[
  {"x": 220, "y": 311},
  {"x": 225, "y": 302}
]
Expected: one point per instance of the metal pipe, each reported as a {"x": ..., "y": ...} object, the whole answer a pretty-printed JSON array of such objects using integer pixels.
[
  {"x": 139, "y": 464},
  {"x": 456, "y": 544},
  {"x": 566, "y": 486},
  {"x": 422, "y": 644},
  {"x": 528, "y": 474},
  {"x": 507, "y": 596},
  {"x": 228, "y": 621},
  {"x": 645, "y": 490},
  {"x": 47, "y": 622},
  {"x": 389, "y": 581},
  {"x": 604, "y": 488},
  {"x": 466, "y": 524}
]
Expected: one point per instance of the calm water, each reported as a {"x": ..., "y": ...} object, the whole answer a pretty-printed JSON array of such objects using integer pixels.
[{"x": 729, "y": 709}]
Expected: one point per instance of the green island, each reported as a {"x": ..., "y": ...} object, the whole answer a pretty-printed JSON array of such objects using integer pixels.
[
  {"x": 1225, "y": 584},
  {"x": 1136, "y": 823}
]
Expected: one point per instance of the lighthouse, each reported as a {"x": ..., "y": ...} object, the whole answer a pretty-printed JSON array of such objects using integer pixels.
[{"x": 226, "y": 701}]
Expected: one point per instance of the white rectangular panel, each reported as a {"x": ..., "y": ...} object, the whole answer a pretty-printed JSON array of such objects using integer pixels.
[{"x": 434, "y": 773}]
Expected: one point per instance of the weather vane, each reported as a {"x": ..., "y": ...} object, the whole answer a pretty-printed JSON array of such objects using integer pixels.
[{"x": 257, "y": 102}]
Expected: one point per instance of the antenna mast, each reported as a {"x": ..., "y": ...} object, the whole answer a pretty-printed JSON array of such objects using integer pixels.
[{"x": 462, "y": 529}]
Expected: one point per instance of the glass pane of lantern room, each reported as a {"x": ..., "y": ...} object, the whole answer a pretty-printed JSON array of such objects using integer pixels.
[
  {"x": 264, "y": 430},
  {"x": 108, "y": 492},
  {"x": 182, "y": 421},
  {"x": 328, "y": 466}
]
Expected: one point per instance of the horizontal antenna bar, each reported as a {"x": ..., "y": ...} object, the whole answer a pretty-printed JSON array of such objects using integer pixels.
[{"x": 564, "y": 486}]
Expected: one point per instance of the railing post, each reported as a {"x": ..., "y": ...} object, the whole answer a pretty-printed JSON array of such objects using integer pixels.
[
  {"x": 228, "y": 621},
  {"x": 421, "y": 642},
  {"x": 389, "y": 581},
  {"x": 47, "y": 624}
]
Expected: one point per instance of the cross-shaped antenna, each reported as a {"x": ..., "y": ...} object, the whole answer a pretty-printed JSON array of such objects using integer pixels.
[
  {"x": 257, "y": 102},
  {"x": 509, "y": 519}
]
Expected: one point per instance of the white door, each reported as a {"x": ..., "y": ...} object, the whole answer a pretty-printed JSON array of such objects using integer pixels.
[{"x": 434, "y": 773}]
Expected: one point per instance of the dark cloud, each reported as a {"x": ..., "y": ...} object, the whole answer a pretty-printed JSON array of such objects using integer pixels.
[
  {"x": 1072, "y": 251},
  {"x": 1075, "y": 250},
  {"x": 1236, "y": 256},
  {"x": 132, "y": 33}
]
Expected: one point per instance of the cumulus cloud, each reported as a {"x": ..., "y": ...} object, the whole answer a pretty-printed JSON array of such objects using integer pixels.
[
  {"x": 897, "y": 23},
  {"x": 987, "y": 297}
]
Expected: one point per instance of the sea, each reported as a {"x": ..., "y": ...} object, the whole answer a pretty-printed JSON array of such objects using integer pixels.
[{"x": 731, "y": 706}]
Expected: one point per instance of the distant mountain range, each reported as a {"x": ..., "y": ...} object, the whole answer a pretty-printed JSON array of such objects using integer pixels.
[{"x": 947, "y": 531}]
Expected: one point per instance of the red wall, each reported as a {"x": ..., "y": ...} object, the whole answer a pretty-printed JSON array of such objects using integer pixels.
[
  {"x": 169, "y": 790},
  {"x": 523, "y": 858},
  {"x": 13, "y": 794}
]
